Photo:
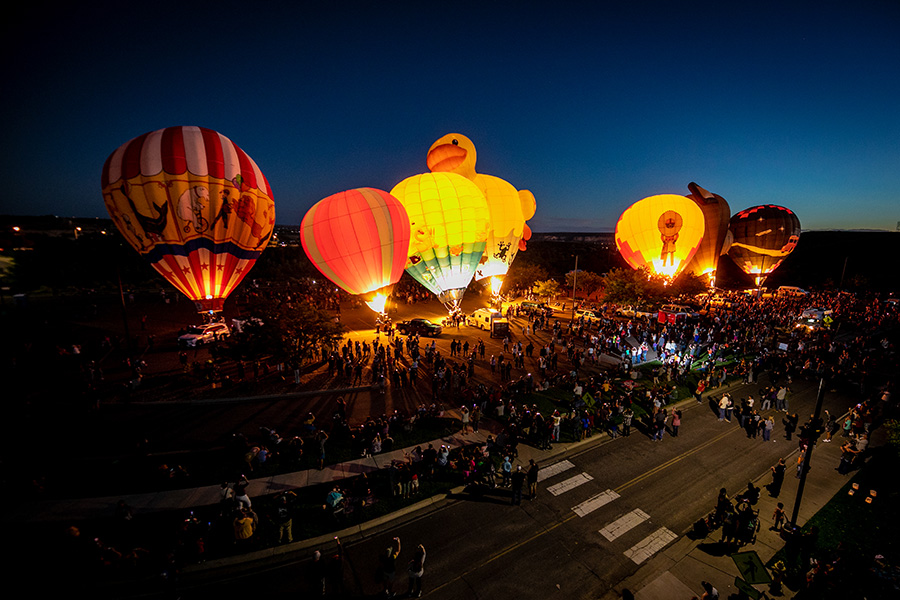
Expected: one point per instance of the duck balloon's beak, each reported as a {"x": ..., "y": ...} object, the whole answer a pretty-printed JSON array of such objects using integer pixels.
[{"x": 445, "y": 158}]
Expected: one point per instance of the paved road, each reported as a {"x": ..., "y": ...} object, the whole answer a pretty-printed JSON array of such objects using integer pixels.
[{"x": 599, "y": 515}]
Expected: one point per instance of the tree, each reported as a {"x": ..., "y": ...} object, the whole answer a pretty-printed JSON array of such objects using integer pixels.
[
  {"x": 287, "y": 331},
  {"x": 630, "y": 287},
  {"x": 688, "y": 284},
  {"x": 523, "y": 275},
  {"x": 546, "y": 289},
  {"x": 587, "y": 282}
]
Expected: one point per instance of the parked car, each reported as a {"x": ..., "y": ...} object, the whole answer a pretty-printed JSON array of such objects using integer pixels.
[
  {"x": 198, "y": 335},
  {"x": 674, "y": 313},
  {"x": 588, "y": 315},
  {"x": 791, "y": 290},
  {"x": 534, "y": 305},
  {"x": 419, "y": 326}
]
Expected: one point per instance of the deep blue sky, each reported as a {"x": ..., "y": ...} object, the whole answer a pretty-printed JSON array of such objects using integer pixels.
[{"x": 590, "y": 107}]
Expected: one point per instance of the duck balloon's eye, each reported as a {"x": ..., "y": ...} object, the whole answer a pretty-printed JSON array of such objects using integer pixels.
[{"x": 455, "y": 142}]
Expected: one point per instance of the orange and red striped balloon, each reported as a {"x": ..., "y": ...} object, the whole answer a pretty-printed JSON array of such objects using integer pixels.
[{"x": 359, "y": 239}]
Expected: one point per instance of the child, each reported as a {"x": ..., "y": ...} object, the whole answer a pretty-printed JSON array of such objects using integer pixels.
[{"x": 778, "y": 516}]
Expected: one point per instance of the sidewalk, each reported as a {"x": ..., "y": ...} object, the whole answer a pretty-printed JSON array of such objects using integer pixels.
[
  {"x": 678, "y": 571},
  {"x": 186, "y": 499}
]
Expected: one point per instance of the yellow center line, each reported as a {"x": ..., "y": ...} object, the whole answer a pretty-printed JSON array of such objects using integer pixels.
[
  {"x": 619, "y": 489},
  {"x": 674, "y": 460}
]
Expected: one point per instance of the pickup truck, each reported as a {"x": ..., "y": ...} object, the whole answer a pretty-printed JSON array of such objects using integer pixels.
[{"x": 419, "y": 326}]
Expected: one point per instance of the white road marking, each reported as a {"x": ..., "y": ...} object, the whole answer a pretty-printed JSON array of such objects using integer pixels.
[
  {"x": 650, "y": 545},
  {"x": 554, "y": 469},
  {"x": 592, "y": 504},
  {"x": 569, "y": 484},
  {"x": 624, "y": 523}
]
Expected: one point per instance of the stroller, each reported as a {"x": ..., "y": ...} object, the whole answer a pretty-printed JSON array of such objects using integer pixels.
[{"x": 748, "y": 526}]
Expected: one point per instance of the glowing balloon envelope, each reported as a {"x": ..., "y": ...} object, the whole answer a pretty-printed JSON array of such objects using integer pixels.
[
  {"x": 449, "y": 221},
  {"x": 762, "y": 237},
  {"x": 716, "y": 215},
  {"x": 661, "y": 233},
  {"x": 359, "y": 239},
  {"x": 194, "y": 205},
  {"x": 509, "y": 208}
]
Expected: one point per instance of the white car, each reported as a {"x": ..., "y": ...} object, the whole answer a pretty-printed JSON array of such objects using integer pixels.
[
  {"x": 680, "y": 311},
  {"x": 198, "y": 335},
  {"x": 588, "y": 315}
]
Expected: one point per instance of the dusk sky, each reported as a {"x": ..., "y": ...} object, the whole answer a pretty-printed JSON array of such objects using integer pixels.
[{"x": 590, "y": 105}]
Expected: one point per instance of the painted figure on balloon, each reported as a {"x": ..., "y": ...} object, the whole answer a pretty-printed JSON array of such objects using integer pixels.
[
  {"x": 153, "y": 226},
  {"x": 225, "y": 209},
  {"x": 191, "y": 205},
  {"x": 670, "y": 223}
]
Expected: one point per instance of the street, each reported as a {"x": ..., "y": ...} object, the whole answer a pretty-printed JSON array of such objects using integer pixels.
[{"x": 599, "y": 514}]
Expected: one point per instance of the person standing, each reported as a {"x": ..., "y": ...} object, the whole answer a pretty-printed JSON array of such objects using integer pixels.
[
  {"x": 779, "y": 517},
  {"x": 659, "y": 424},
  {"x": 698, "y": 393},
  {"x": 627, "y": 416},
  {"x": 848, "y": 454},
  {"x": 777, "y": 478},
  {"x": 475, "y": 417},
  {"x": 518, "y": 482},
  {"x": 506, "y": 468},
  {"x": 790, "y": 425},
  {"x": 465, "y": 419},
  {"x": 416, "y": 570},
  {"x": 676, "y": 422},
  {"x": 532, "y": 479},
  {"x": 781, "y": 402},
  {"x": 768, "y": 428},
  {"x": 387, "y": 566},
  {"x": 321, "y": 438}
]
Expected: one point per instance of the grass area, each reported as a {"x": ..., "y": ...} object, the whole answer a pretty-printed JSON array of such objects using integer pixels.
[{"x": 855, "y": 532}]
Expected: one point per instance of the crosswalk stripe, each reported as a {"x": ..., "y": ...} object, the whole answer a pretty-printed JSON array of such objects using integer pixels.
[
  {"x": 568, "y": 484},
  {"x": 624, "y": 523},
  {"x": 650, "y": 545},
  {"x": 554, "y": 469},
  {"x": 595, "y": 502}
]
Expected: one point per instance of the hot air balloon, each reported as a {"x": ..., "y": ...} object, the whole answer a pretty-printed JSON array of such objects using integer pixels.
[
  {"x": 359, "y": 239},
  {"x": 762, "y": 237},
  {"x": 194, "y": 205},
  {"x": 509, "y": 208},
  {"x": 716, "y": 214},
  {"x": 449, "y": 223},
  {"x": 661, "y": 233}
]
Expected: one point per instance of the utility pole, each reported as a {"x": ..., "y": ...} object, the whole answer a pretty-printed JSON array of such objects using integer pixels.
[{"x": 574, "y": 284}]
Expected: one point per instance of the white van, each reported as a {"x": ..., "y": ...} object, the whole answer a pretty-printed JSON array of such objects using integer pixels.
[
  {"x": 483, "y": 318},
  {"x": 791, "y": 290}
]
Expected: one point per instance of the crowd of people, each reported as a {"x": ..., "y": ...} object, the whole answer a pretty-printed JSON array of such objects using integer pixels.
[{"x": 609, "y": 396}]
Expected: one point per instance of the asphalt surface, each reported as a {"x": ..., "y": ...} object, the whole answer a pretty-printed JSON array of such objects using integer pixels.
[{"x": 607, "y": 511}]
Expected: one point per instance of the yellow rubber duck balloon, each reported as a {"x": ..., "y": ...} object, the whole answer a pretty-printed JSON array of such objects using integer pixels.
[
  {"x": 509, "y": 208},
  {"x": 449, "y": 223},
  {"x": 661, "y": 232}
]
